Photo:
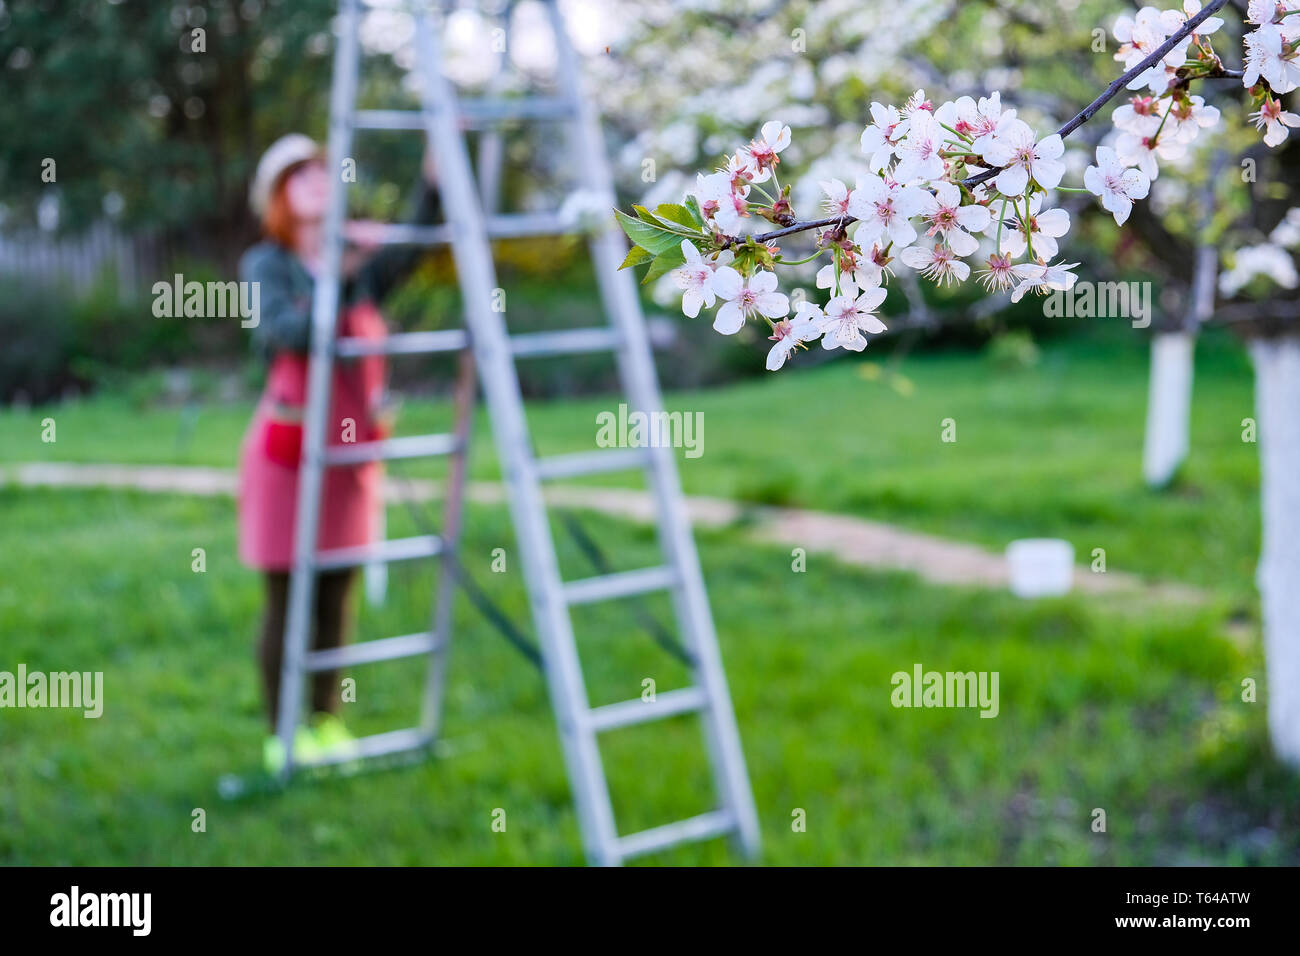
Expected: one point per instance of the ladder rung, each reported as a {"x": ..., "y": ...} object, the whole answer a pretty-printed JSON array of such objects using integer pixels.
[
  {"x": 515, "y": 225},
  {"x": 606, "y": 587},
  {"x": 376, "y": 745},
  {"x": 638, "y": 711},
  {"x": 411, "y": 446},
  {"x": 404, "y": 343},
  {"x": 533, "y": 107},
  {"x": 565, "y": 342},
  {"x": 474, "y": 110},
  {"x": 409, "y": 234},
  {"x": 370, "y": 652},
  {"x": 388, "y": 119},
  {"x": 591, "y": 463},
  {"x": 703, "y": 827},
  {"x": 394, "y": 549}
]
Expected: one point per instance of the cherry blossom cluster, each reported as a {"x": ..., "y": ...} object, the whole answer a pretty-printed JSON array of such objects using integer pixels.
[
  {"x": 947, "y": 182},
  {"x": 1271, "y": 65},
  {"x": 911, "y": 208}
]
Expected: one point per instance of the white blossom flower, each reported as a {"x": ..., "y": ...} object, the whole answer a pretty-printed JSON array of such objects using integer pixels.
[
  {"x": 1141, "y": 151},
  {"x": 1138, "y": 36},
  {"x": 1265, "y": 259},
  {"x": 1039, "y": 233},
  {"x": 1274, "y": 120},
  {"x": 695, "y": 279},
  {"x": 998, "y": 276},
  {"x": 788, "y": 333},
  {"x": 1013, "y": 145},
  {"x": 847, "y": 317},
  {"x": 837, "y": 197},
  {"x": 720, "y": 202},
  {"x": 1188, "y": 116},
  {"x": 884, "y": 209},
  {"x": 1116, "y": 185},
  {"x": 746, "y": 298},
  {"x": 1040, "y": 277},
  {"x": 872, "y": 268},
  {"x": 938, "y": 263},
  {"x": 919, "y": 158},
  {"x": 1190, "y": 9},
  {"x": 881, "y": 138},
  {"x": 762, "y": 152},
  {"x": 972, "y": 119},
  {"x": 1275, "y": 12},
  {"x": 1287, "y": 232},
  {"x": 953, "y": 221},
  {"x": 1266, "y": 57},
  {"x": 1140, "y": 116}
]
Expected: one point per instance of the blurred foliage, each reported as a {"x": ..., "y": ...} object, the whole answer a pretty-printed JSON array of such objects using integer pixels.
[{"x": 166, "y": 105}]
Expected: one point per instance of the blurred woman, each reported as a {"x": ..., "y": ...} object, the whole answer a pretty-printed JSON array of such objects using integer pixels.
[{"x": 290, "y": 192}]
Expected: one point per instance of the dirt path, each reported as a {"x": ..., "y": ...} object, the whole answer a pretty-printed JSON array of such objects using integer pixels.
[{"x": 848, "y": 539}]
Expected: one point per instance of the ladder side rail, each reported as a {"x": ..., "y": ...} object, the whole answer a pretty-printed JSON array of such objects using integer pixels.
[
  {"x": 695, "y": 619},
  {"x": 452, "y": 523},
  {"x": 325, "y": 305},
  {"x": 505, "y": 404}
]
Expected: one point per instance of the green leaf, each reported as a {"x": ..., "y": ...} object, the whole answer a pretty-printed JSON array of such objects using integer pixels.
[
  {"x": 635, "y": 257},
  {"x": 671, "y": 212},
  {"x": 654, "y": 238},
  {"x": 693, "y": 205},
  {"x": 663, "y": 264},
  {"x": 685, "y": 231}
]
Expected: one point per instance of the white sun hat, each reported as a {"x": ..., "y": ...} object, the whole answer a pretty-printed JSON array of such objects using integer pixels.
[{"x": 289, "y": 150}]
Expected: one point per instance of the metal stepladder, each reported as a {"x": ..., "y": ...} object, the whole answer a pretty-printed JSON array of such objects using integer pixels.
[{"x": 469, "y": 230}]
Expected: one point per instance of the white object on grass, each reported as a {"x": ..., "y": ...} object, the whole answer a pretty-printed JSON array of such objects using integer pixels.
[{"x": 1040, "y": 567}]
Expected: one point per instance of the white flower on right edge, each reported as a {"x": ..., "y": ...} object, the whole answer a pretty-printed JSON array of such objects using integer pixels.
[
  {"x": 746, "y": 298},
  {"x": 1274, "y": 120},
  {"x": 1266, "y": 56},
  {"x": 1117, "y": 185},
  {"x": 788, "y": 333},
  {"x": 847, "y": 317}
]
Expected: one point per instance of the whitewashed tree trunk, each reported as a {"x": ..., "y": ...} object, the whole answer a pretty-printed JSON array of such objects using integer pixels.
[
  {"x": 1169, "y": 406},
  {"x": 1277, "y": 400},
  {"x": 1173, "y": 358}
]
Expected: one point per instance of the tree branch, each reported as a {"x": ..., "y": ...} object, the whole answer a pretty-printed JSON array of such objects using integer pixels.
[
  {"x": 1078, "y": 120},
  {"x": 1120, "y": 82}
]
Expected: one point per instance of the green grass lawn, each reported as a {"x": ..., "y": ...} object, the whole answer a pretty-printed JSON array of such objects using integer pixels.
[
  {"x": 1100, "y": 707},
  {"x": 1119, "y": 705}
]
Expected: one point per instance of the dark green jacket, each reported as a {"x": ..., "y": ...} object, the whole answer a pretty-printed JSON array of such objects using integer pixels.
[{"x": 285, "y": 286}]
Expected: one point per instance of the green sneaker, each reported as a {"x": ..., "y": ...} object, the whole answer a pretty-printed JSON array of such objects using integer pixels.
[
  {"x": 305, "y": 748},
  {"x": 273, "y": 755},
  {"x": 333, "y": 737}
]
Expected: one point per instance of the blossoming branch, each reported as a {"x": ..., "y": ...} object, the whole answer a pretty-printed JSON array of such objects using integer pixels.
[{"x": 949, "y": 179}]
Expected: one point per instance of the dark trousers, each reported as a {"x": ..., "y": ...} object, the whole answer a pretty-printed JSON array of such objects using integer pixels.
[{"x": 329, "y": 625}]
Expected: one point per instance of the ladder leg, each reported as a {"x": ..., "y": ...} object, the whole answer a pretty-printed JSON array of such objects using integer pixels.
[
  {"x": 636, "y": 369},
  {"x": 325, "y": 305},
  {"x": 477, "y": 279},
  {"x": 452, "y": 522}
]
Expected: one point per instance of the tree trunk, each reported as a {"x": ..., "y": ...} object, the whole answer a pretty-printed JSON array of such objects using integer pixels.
[
  {"x": 1173, "y": 354},
  {"x": 1168, "y": 406},
  {"x": 1277, "y": 400}
]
